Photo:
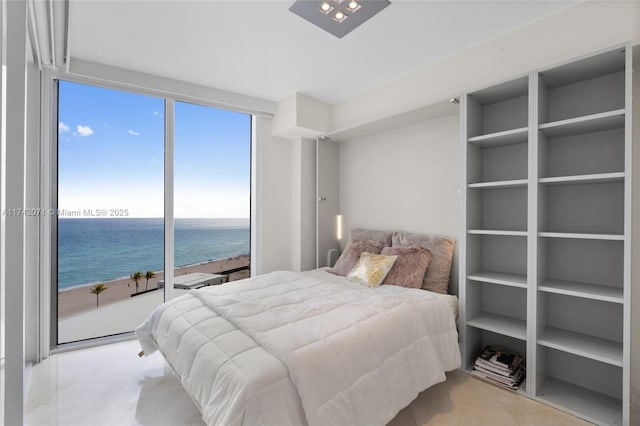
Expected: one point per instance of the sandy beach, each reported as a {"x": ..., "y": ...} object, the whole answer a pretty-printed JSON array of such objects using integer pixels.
[{"x": 79, "y": 299}]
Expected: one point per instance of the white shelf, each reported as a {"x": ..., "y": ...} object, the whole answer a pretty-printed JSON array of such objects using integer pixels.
[
  {"x": 516, "y": 183},
  {"x": 578, "y": 179},
  {"x": 602, "y": 350},
  {"x": 612, "y": 237},
  {"x": 501, "y": 278},
  {"x": 497, "y": 232},
  {"x": 584, "y": 290},
  {"x": 500, "y": 324},
  {"x": 508, "y": 137},
  {"x": 587, "y": 404},
  {"x": 587, "y": 124}
]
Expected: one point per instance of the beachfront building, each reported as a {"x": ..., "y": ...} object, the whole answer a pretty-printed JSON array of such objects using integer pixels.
[{"x": 149, "y": 149}]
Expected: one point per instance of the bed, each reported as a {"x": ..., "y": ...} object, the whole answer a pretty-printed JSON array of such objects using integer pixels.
[{"x": 315, "y": 348}]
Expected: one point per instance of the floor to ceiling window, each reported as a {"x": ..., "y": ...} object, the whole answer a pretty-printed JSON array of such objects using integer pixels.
[
  {"x": 110, "y": 209},
  {"x": 111, "y": 200},
  {"x": 212, "y": 191}
]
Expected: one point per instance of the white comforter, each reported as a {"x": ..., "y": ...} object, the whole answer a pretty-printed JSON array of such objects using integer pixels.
[{"x": 291, "y": 348}]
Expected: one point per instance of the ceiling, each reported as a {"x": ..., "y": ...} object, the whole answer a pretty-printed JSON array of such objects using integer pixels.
[{"x": 261, "y": 49}]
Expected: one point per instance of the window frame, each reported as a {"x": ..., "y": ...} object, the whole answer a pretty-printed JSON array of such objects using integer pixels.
[{"x": 49, "y": 284}]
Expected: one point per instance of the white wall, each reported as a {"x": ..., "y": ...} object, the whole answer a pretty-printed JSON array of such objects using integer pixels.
[
  {"x": 303, "y": 205},
  {"x": 578, "y": 30},
  {"x": 308, "y": 205},
  {"x": 2, "y": 225},
  {"x": 406, "y": 179},
  {"x": 32, "y": 222},
  {"x": 328, "y": 188},
  {"x": 275, "y": 209},
  {"x": 12, "y": 196}
]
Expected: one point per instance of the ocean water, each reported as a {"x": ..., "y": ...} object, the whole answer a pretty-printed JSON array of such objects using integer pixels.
[{"x": 96, "y": 250}]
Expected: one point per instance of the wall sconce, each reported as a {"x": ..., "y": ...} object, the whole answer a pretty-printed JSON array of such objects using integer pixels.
[{"x": 339, "y": 227}]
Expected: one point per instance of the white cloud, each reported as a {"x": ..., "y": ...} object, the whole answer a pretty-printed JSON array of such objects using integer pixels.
[
  {"x": 157, "y": 113},
  {"x": 133, "y": 133},
  {"x": 83, "y": 130},
  {"x": 63, "y": 128}
]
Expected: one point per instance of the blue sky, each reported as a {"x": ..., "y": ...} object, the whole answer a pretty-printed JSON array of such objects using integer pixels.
[{"x": 111, "y": 155}]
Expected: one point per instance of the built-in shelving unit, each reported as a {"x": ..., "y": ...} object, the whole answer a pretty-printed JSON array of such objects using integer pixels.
[
  {"x": 514, "y": 183},
  {"x": 545, "y": 252},
  {"x": 586, "y": 124},
  {"x": 585, "y": 236},
  {"x": 501, "y": 324},
  {"x": 584, "y": 345},
  {"x": 507, "y": 137},
  {"x": 497, "y": 232},
  {"x": 496, "y": 141},
  {"x": 585, "y": 290},
  {"x": 580, "y": 179},
  {"x": 592, "y": 406},
  {"x": 513, "y": 280}
]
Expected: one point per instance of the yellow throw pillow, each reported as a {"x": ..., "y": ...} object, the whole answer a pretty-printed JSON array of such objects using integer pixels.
[{"x": 371, "y": 269}]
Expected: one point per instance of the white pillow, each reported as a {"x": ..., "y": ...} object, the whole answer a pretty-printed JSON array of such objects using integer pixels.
[{"x": 371, "y": 269}]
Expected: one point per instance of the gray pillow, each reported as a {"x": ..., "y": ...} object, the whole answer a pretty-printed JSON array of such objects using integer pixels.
[
  {"x": 441, "y": 247},
  {"x": 367, "y": 234}
]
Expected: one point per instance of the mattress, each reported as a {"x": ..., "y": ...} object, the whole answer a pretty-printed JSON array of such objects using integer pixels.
[
  {"x": 312, "y": 348},
  {"x": 450, "y": 300}
]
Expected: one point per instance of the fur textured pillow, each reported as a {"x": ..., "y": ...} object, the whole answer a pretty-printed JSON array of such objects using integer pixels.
[
  {"x": 410, "y": 266},
  {"x": 351, "y": 255},
  {"x": 437, "y": 277}
]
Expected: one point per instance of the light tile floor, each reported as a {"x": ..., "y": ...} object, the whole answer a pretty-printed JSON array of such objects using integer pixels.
[{"x": 110, "y": 385}]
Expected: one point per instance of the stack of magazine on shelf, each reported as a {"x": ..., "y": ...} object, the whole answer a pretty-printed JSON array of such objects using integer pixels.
[{"x": 500, "y": 367}]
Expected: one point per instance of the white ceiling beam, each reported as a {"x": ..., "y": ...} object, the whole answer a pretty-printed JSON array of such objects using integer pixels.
[
  {"x": 49, "y": 31},
  {"x": 40, "y": 21},
  {"x": 59, "y": 13},
  {"x": 92, "y": 72}
]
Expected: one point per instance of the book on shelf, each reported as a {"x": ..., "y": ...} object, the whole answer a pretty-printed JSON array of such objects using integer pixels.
[
  {"x": 500, "y": 358},
  {"x": 500, "y": 367}
]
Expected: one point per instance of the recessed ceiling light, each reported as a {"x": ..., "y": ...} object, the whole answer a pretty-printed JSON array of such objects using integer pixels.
[
  {"x": 345, "y": 21},
  {"x": 339, "y": 16},
  {"x": 353, "y": 6},
  {"x": 326, "y": 8}
]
